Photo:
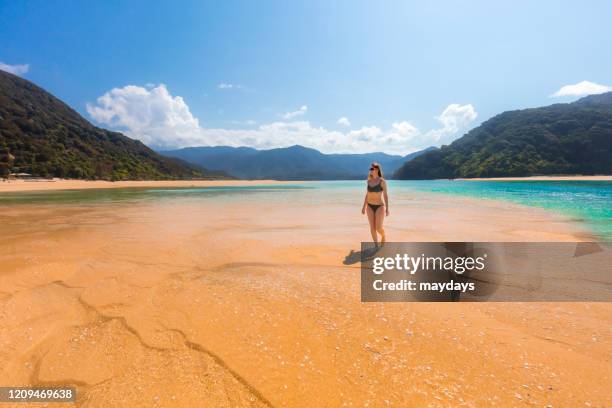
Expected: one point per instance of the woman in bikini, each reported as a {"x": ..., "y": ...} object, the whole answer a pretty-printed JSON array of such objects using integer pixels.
[{"x": 373, "y": 203}]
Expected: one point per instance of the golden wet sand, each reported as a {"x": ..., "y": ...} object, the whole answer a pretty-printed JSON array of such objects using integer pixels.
[
  {"x": 74, "y": 184},
  {"x": 194, "y": 303}
]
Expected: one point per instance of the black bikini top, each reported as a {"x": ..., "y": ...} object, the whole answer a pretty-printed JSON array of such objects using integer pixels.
[{"x": 375, "y": 188}]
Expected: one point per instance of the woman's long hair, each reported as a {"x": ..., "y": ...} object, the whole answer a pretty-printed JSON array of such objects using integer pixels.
[{"x": 377, "y": 166}]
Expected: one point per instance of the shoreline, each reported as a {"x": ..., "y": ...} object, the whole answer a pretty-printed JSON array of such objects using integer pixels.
[
  {"x": 579, "y": 230},
  {"x": 15, "y": 186},
  {"x": 541, "y": 178}
]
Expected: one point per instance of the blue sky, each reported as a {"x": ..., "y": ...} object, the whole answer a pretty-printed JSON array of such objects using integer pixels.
[{"x": 403, "y": 75}]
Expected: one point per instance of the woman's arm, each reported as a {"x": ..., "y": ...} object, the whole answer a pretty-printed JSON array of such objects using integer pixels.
[
  {"x": 365, "y": 201},
  {"x": 386, "y": 197}
]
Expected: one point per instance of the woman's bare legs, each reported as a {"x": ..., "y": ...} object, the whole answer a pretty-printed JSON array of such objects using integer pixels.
[
  {"x": 372, "y": 221},
  {"x": 379, "y": 218}
]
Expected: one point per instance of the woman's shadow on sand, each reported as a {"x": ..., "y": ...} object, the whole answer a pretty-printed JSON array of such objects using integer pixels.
[{"x": 360, "y": 256}]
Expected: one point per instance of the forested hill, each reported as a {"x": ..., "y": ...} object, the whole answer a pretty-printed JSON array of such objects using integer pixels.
[
  {"x": 41, "y": 135},
  {"x": 571, "y": 138}
]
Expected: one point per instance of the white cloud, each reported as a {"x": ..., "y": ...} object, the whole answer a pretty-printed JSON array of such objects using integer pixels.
[
  {"x": 344, "y": 121},
  {"x": 229, "y": 87},
  {"x": 161, "y": 120},
  {"x": 453, "y": 119},
  {"x": 402, "y": 133},
  {"x": 405, "y": 129},
  {"x": 18, "y": 69},
  {"x": 149, "y": 114},
  {"x": 290, "y": 115},
  {"x": 581, "y": 89},
  {"x": 367, "y": 134}
]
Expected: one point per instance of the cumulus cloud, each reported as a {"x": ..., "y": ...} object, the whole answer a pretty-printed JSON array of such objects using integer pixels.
[
  {"x": 581, "y": 89},
  {"x": 18, "y": 69},
  {"x": 149, "y": 114},
  {"x": 164, "y": 121},
  {"x": 367, "y": 134},
  {"x": 290, "y": 115},
  {"x": 229, "y": 87},
  {"x": 344, "y": 121},
  {"x": 453, "y": 119}
]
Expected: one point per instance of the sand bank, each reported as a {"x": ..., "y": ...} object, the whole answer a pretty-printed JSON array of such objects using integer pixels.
[
  {"x": 222, "y": 303},
  {"x": 63, "y": 184}
]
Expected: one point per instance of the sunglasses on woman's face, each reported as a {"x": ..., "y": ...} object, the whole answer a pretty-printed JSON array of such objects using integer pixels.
[{"x": 373, "y": 168}]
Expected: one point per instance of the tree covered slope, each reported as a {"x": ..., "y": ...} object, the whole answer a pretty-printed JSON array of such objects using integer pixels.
[
  {"x": 572, "y": 138},
  {"x": 41, "y": 135}
]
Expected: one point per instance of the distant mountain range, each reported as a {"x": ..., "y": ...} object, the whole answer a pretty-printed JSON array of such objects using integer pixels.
[
  {"x": 289, "y": 163},
  {"x": 42, "y": 136},
  {"x": 570, "y": 138}
]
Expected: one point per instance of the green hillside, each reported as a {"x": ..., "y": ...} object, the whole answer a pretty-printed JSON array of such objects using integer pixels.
[
  {"x": 41, "y": 135},
  {"x": 572, "y": 138}
]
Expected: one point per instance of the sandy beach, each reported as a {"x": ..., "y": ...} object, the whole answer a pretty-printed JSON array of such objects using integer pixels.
[
  {"x": 66, "y": 184},
  {"x": 174, "y": 303}
]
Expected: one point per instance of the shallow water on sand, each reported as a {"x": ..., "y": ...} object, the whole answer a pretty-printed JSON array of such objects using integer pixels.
[
  {"x": 233, "y": 297},
  {"x": 587, "y": 202}
]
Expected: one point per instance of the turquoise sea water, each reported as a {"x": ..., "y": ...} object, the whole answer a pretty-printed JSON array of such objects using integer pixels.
[{"x": 588, "y": 202}]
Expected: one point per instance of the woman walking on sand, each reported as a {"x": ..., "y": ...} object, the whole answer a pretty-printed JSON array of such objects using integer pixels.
[{"x": 373, "y": 203}]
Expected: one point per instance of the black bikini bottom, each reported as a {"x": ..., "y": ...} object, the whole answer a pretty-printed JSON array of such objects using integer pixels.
[{"x": 375, "y": 207}]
